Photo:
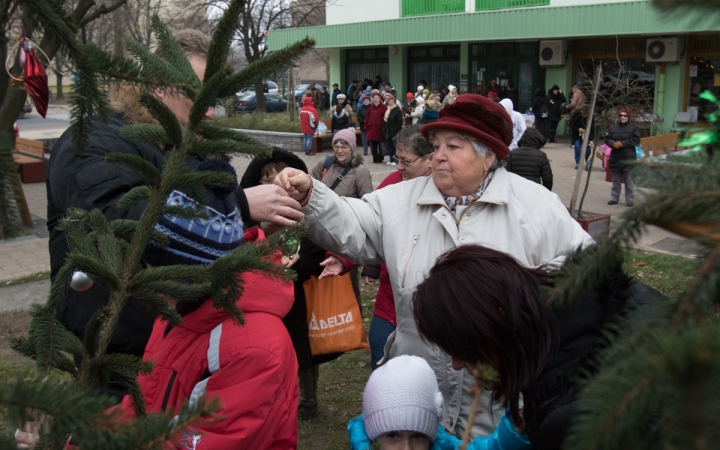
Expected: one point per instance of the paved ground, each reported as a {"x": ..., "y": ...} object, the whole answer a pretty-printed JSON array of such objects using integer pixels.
[{"x": 28, "y": 255}]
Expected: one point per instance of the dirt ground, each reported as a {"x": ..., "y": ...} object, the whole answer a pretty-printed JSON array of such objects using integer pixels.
[{"x": 13, "y": 324}]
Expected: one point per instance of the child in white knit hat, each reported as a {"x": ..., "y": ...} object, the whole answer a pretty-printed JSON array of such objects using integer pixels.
[{"x": 402, "y": 405}]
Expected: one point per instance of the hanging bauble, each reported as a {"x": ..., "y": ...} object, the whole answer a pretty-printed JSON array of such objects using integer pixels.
[
  {"x": 33, "y": 77},
  {"x": 80, "y": 281}
]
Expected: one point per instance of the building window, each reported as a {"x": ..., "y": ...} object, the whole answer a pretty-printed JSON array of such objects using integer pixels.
[
  {"x": 484, "y": 5},
  {"x": 427, "y": 7}
]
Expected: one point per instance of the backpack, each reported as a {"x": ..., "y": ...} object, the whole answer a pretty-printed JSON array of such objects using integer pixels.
[{"x": 544, "y": 111}]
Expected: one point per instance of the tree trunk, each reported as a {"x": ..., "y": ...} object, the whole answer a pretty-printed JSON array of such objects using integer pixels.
[
  {"x": 260, "y": 97},
  {"x": 4, "y": 77},
  {"x": 60, "y": 95}
]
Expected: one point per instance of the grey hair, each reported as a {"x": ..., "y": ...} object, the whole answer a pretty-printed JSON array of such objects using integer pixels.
[
  {"x": 412, "y": 138},
  {"x": 481, "y": 150}
]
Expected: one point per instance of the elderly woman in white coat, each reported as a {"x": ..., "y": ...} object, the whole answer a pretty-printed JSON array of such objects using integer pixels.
[{"x": 469, "y": 199}]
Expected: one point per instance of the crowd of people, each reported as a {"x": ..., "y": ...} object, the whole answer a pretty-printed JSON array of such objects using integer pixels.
[{"x": 462, "y": 237}]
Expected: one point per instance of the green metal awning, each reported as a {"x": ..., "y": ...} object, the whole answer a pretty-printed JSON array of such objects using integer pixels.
[{"x": 545, "y": 22}]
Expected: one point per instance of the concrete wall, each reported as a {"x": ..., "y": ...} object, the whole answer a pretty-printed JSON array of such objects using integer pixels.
[
  {"x": 288, "y": 141},
  {"x": 351, "y": 11},
  {"x": 397, "y": 68}
]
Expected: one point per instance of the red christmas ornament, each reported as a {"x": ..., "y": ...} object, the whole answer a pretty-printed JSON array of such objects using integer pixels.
[
  {"x": 33, "y": 78},
  {"x": 36, "y": 82}
]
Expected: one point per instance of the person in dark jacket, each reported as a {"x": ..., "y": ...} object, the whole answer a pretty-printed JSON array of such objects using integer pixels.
[
  {"x": 408, "y": 108},
  {"x": 578, "y": 122},
  {"x": 556, "y": 99},
  {"x": 341, "y": 117},
  {"x": 622, "y": 137},
  {"x": 539, "y": 352},
  {"x": 325, "y": 99},
  {"x": 310, "y": 260},
  {"x": 529, "y": 161},
  {"x": 393, "y": 125},
  {"x": 354, "y": 86},
  {"x": 336, "y": 91},
  {"x": 541, "y": 111},
  {"x": 513, "y": 94},
  {"x": 85, "y": 180}
]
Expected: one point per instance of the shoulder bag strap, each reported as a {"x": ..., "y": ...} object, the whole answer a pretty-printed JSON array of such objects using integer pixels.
[{"x": 340, "y": 177}]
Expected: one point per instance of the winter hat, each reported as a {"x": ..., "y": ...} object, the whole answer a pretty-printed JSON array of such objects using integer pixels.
[
  {"x": 342, "y": 96},
  {"x": 625, "y": 111},
  {"x": 420, "y": 100},
  {"x": 426, "y": 91},
  {"x": 199, "y": 241},
  {"x": 375, "y": 93},
  {"x": 307, "y": 101},
  {"x": 451, "y": 87},
  {"x": 409, "y": 96},
  {"x": 479, "y": 117},
  {"x": 491, "y": 94},
  {"x": 508, "y": 105},
  {"x": 347, "y": 135},
  {"x": 253, "y": 173},
  {"x": 388, "y": 96},
  {"x": 420, "y": 88},
  {"x": 402, "y": 395}
]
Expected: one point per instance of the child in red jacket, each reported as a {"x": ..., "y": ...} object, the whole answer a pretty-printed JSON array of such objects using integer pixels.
[{"x": 250, "y": 369}]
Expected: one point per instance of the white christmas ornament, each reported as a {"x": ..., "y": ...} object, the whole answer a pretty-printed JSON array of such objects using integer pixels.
[{"x": 80, "y": 281}]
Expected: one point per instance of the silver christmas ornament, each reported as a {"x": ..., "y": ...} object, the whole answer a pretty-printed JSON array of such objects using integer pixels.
[{"x": 80, "y": 281}]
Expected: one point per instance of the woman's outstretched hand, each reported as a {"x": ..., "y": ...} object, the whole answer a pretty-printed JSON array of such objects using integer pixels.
[{"x": 295, "y": 182}]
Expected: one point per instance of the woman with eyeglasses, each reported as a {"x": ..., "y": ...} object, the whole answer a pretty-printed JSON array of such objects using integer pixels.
[
  {"x": 413, "y": 158},
  {"x": 622, "y": 137}
]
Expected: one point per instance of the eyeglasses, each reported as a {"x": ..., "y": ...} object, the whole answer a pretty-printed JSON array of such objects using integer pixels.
[
  {"x": 403, "y": 162},
  {"x": 623, "y": 115},
  {"x": 341, "y": 147}
]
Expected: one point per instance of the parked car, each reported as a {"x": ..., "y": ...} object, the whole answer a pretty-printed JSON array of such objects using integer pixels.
[
  {"x": 272, "y": 89},
  {"x": 273, "y": 103},
  {"x": 299, "y": 91}
]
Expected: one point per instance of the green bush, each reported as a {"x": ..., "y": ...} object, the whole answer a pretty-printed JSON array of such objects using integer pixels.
[{"x": 260, "y": 122}]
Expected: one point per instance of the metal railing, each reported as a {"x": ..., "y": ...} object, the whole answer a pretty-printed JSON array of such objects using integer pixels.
[
  {"x": 483, "y": 5},
  {"x": 428, "y": 7}
]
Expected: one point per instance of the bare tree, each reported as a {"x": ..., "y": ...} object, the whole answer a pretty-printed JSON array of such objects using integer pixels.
[{"x": 260, "y": 16}]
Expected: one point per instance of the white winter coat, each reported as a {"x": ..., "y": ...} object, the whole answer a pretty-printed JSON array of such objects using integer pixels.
[
  {"x": 408, "y": 226},
  {"x": 519, "y": 125}
]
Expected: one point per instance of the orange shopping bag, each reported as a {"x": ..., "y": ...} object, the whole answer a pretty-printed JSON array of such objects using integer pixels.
[{"x": 334, "y": 321}]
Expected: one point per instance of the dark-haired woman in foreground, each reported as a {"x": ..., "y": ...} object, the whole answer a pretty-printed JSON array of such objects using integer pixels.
[{"x": 481, "y": 305}]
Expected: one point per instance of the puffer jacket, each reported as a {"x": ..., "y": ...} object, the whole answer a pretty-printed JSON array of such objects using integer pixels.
[
  {"x": 629, "y": 135},
  {"x": 309, "y": 117},
  {"x": 408, "y": 226},
  {"x": 341, "y": 117},
  {"x": 355, "y": 184},
  {"x": 374, "y": 121},
  {"x": 529, "y": 161},
  {"x": 251, "y": 369}
]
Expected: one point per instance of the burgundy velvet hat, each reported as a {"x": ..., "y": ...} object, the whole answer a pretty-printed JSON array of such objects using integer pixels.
[{"x": 479, "y": 117}]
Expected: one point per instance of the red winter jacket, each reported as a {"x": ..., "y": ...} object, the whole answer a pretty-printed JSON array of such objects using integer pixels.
[
  {"x": 309, "y": 117},
  {"x": 374, "y": 121},
  {"x": 251, "y": 369}
]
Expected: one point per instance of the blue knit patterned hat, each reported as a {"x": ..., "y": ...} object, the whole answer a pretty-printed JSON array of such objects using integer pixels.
[{"x": 199, "y": 241}]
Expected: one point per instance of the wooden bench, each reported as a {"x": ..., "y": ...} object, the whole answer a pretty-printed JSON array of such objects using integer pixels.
[
  {"x": 320, "y": 139},
  {"x": 29, "y": 155}
]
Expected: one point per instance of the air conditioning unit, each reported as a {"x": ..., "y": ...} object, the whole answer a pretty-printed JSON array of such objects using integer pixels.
[
  {"x": 662, "y": 50},
  {"x": 553, "y": 53}
]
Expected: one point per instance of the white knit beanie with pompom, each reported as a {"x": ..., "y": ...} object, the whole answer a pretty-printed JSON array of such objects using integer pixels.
[{"x": 402, "y": 395}]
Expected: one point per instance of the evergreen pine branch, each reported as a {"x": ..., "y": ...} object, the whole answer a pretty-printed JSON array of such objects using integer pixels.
[
  {"x": 51, "y": 340},
  {"x": 132, "y": 197},
  {"x": 275, "y": 62},
  {"x": 165, "y": 116},
  {"x": 25, "y": 346},
  {"x": 689, "y": 298},
  {"x": 142, "y": 166},
  {"x": 186, "y": 212},
  {"x": 172, "y": 51},
  {"x": 59, "y": 288},
  {"x": 207, "y": 97},
  {"x": 193, "y": 274},
  {"x": 145, "y": 132},
  {"x": 222, "y": 37},
  {"x": 93, "y": 329},
  {"x": 180, "y": 291},
  {"x": 158, "y": 67},
  {"x": 55, "y": 21},
  {"x": 156, "y": 304},
  {"x": 94, "y": 269}
]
